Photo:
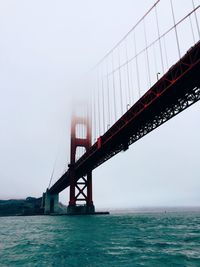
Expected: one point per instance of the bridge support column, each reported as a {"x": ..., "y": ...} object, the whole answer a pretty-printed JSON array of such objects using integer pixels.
[
  {"x": 50, "y": 203},
  {"x": 80, "y": 187},
  {"x": 80, "y": 192},
  {"x": 43, "y": 201}
]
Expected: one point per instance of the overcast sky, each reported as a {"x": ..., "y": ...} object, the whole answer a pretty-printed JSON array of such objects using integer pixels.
[{"x": 45, "y": 48}]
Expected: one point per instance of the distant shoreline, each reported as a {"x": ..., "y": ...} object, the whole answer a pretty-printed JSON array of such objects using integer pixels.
[
  {"x": 32, "y": 207},
  {"x": 21, "y": 207}
]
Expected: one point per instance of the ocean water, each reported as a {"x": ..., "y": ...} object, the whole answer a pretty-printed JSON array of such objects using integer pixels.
[{"x": 151, "y": 239}]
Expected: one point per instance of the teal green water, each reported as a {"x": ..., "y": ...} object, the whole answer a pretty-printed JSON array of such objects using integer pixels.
[{"x": 159, "y": 239}]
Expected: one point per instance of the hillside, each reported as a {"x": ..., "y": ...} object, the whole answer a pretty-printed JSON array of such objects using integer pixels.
[{"x": 16, "y": 207}]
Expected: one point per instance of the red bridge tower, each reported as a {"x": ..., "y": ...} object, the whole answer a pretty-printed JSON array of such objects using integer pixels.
[{"x": 80, "y": 189}]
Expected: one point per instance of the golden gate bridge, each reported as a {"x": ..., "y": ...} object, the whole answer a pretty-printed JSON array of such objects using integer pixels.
[{"x": 151, "y": 75}]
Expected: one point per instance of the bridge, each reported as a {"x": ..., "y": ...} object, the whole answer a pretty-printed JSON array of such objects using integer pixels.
[{"x": 151, "y": 75}]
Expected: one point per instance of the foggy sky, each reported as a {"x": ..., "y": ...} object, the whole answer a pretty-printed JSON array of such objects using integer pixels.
[{"x": 46, "y": 48}]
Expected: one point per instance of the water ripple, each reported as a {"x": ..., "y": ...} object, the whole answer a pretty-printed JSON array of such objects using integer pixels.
[{"x": 153, "y": 240}]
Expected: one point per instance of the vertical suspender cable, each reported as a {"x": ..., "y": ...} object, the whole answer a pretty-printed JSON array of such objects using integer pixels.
[
  {"x": 103, "y": 106},
  {"x": 94, "y": 116},
  {"x": 82, "y": 125},
  {"x": 131, "y": 83},
  {"x": 98, "y": 99},
  {"x": 87, "y": 121},
  {"x": 195, "y": 14},
  {"x": 114, "y": 89},
  {"x": 77, "y": 150},
  {"x": 147, "y": 55},
  {"x": 120, "y": 83},
  {"x": 192, "y": 31},
  {"x": 127, "y": 69},
  {"x": 137, "y": 68},
  {"x": 125, "y": 86},
  {"x": 88, "y": 114},
  {"x": 108, "y": 95},
  {"x": 175, "y": 29},
  {"x": 155, "y": 61},
  {"x": 160, "y": 46},
  {"x": 165, "y": 48}
]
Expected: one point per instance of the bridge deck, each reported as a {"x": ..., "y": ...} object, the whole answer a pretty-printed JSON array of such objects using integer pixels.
[{"x": 175, "y": 91}]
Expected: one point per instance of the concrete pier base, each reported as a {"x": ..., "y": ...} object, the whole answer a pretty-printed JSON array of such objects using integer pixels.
[
  {"x": 50, "y": 203},
  {"x": 80, "y": 210}
]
